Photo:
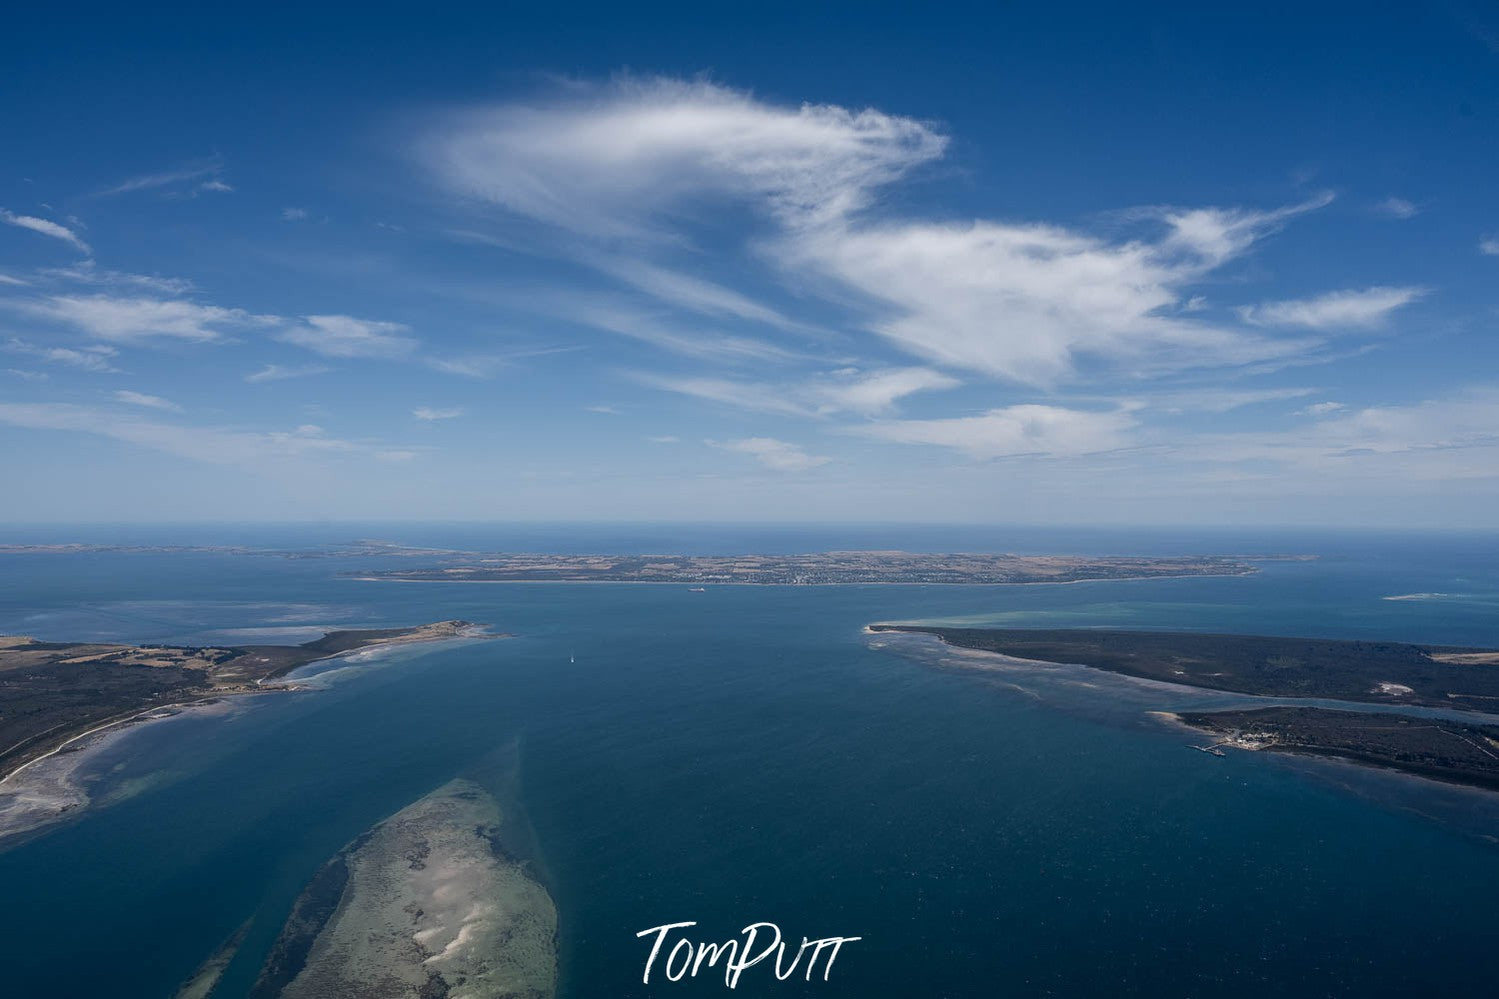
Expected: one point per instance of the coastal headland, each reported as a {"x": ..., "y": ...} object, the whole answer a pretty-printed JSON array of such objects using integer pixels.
[
  {"x": 1266, "y": 666},
  {"x": 51, "y": 693},
  {"x": 1383, "y": 673}
]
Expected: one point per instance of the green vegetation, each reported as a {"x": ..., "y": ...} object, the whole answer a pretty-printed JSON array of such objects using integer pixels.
[
  {"x": 1367, "y": 672},
  {"x": 1444, "y": 750},
  {"x": 52, "y": 692},
  {"x": 1372, "y": 672}
]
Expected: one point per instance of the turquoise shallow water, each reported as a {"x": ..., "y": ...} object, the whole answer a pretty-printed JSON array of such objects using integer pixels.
[{"x": 744, "y": 754}]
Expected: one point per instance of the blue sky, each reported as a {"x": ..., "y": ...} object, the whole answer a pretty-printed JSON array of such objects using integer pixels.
[{"x": 1065, "y": 264}]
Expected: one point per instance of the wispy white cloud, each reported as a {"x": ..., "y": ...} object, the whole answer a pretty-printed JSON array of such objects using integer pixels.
[
  {"x": 87, "y": 272},
  {"x": 1014, "y": 430},
  {"x": 781, "y": 456},
  {"x": 665, "y": 439},
  {"x": 692, "y": 293},
  {"x": 843, "y": 391},
  {"x": 1319, "y": 409},
  {"x": 147, "y": 401},
  {"x": 1397, "y": 208},
  {"x": 1489, "y": 246},
  {"x": 740, "y": 395},
  {"x": 428, "y": 413},
  {"x": 609, "y": 163},
  {"x": 1210, "y": 237},
  {"x": 1222, "y": 400},
  {"x": 604, "y": 410},
  {"x": 1354, "y": 309},
  {"x": 1455, "y": 436},
  {"x": 214, "y": 445},
  {"x": 126, "y": 320},
  {"x": 25, "y": 375},
  {"x": 642, "y": 161},
  {"x": 293, "y": 214},
  {"x": 724, "y": 219},
  {"x": 1028, "y": 303},
  {"x": 473, "y": 366},
  {"x": 13, "y": 281},
  {"x": 662, "y": 332},
  {"x": 345, "y": 336},
  {"x": 202, "y": 175},
  {"x": 95, "y": 358},
  {"x": 487, "y": 365},
  {"x": 1466, "y": 419},
  {"x": 46, "y": 227},
  {"x": 277, "y": 372},
  {"x": 875, "y": 392}
]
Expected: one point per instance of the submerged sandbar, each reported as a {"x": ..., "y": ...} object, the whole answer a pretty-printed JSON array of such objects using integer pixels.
[{"x": 426, "y": 905}]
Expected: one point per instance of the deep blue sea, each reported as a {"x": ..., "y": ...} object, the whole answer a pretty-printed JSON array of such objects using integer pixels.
[{"x": 748, "y": 754}]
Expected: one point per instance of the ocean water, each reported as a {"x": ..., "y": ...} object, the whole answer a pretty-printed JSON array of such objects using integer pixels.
[{"x": 749, "y": 754}]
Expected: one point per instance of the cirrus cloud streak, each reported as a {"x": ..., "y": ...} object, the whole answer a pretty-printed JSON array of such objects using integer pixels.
[{"x": 646, "y": 164}]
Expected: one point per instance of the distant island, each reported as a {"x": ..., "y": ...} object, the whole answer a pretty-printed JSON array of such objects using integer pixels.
[
  {"x": 807, "y": 569},
  {"x": 53, "y": 692},
  {"x": 1362, "y": 672},
  {"x": 824, "y": 568},
  {"x": 357, "y": 549}
]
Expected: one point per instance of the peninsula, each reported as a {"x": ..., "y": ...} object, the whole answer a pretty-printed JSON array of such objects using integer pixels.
[
  {"x": 1383, "y": 673},
  {"x": 1369, "y": 672},
  {"x": 825, "y": 568},
  {"x": 54, "y": 692}
]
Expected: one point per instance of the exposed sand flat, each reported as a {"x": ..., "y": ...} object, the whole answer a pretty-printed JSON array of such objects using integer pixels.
[
  {"x": 43, "y": 794},
  {"x": 430, "y": 910},
  {"x": 38, "y": 771},
  {"x": 49, "y": 788},
  {"x": 55, "y": 692},
  {"x": 1467, "y": 658}
]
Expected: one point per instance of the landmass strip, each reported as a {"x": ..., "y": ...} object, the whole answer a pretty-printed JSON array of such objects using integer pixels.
[
  {"x": 356, "y": 549},
  {"x": 1363, "y": 672},
  {"x": 54, "y": 692},
  {"x": 824, "y": 568}
]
